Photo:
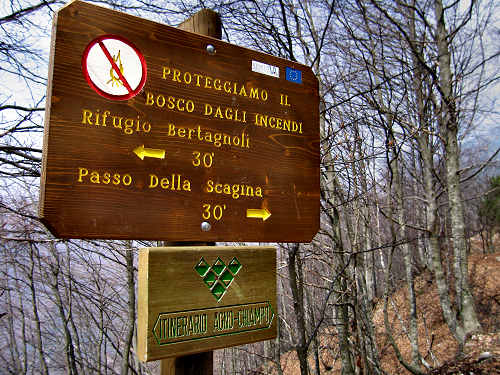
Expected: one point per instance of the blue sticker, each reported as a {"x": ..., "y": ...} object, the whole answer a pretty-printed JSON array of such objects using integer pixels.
[{"x": 293, "y": 75}]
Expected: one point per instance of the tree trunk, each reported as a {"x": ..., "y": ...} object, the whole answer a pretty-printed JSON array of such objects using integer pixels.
[
  {"x": 68, "y": 339},
  {"x": 129, "y": 257},
  {"x": 465, "y": 303},
  {"x": 407, "y": 256},
  {"x": 38, "y": 331},
  {"x": 298, "y": 307}
]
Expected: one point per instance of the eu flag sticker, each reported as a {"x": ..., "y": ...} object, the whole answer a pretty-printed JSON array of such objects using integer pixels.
[{"x": 293, "y": 75}]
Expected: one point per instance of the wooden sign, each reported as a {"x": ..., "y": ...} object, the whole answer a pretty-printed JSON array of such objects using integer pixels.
[
  {"x": 195, "y": 299},
  {"x": 152, "y": 132}
]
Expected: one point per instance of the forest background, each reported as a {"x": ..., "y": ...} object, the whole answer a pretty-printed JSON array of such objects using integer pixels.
[{"x": 409, "y": 141}]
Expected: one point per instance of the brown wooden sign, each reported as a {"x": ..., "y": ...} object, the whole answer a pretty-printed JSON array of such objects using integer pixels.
[
  {"x": 155, "y": 133},
  {"x": 195, "y": 299}
]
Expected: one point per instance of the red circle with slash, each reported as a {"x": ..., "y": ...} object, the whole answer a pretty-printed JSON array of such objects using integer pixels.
[{"x": 114, "y": 67}]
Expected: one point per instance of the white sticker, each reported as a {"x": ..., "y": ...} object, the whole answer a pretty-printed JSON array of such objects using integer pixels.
[{"x": 266, "y": 69}]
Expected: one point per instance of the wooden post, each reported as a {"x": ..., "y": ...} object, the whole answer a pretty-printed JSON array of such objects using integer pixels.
[
  {"x": 205, "y": 22},
  {"x": 195, "y": 364}
]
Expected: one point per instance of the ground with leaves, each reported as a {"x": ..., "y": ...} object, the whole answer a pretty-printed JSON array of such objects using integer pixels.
[{"x": 437, "y": 345}]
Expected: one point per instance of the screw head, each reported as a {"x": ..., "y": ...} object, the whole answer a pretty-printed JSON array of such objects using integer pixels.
[
  {"x": 205, "y": 226},
  {"x": 211, "y": 49}
]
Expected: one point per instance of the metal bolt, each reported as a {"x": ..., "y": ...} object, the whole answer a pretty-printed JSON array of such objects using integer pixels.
[
  {"x": 211, "y": 49},
  {"x": 205, "y": 226}
]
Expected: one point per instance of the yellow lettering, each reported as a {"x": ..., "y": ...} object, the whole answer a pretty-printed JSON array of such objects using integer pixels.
[
  {"x": 174, "y": 182},
  {"x": 82, "y": 172},
  {"x": 286, "y": 125},
  {"x": 229, "y": 113},
  {"x": 127, "y": 179},
  {"x": 94, "y": 177},
  {"x": 106, "y": 178},
  {"x": 119, "y": 125},
  {"x": 97, "y": 117},
  {"x": 87, "y": 116},
  {"x": 217, "y": 139},
  {"x": 208, "y": 82},
  {"x": 180, "y": 108},
  {"x": 236, "y": 140},
  {"x": 243, "y": 91},
  {"x": 284, "y": 100},
  {"x": 190, "y": 106},
  {"x": 198, "y": 76},
  {"x": 218, "y": 112},
  {"x": 208, "y": 137},
  {"x": 171, "y": 102},
  {"x": 210, "y": 186},
  {"x": 165, "y": 183},
  {"x": 166, "y": 72},
  {"x": 171, "y": 130},
  {"x": 153, "y": 181},
  {"x": 254, "y": 93},
  {"x": 149, "y": 98},
  {"x": 129, "y": 123},
  {"x": 208, "y": 109},
  {"x": 263, "y": 120},
  {"x": 272, "y": 122},
  {"x": 104, "y": 117},
  {"x": 235, "y": 191},
  {"x": 176, "y": 76},
  {"x": 160, "y": 101},
  {"x": 278, "y": 123},
  {"x": 257, "y": 119}
]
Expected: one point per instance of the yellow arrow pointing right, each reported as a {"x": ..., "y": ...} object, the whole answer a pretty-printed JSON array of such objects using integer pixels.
[{"x": 259, "y": 213}]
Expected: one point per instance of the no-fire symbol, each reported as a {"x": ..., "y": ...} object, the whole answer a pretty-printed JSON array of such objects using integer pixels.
[{"x": 114, "y": 67}]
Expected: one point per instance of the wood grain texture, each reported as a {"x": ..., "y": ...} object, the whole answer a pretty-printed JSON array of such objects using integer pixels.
[
  {"x": 205, "y": 22},
  {"x": 282, "y": 164},
  {"x": 179, "y": 312}
]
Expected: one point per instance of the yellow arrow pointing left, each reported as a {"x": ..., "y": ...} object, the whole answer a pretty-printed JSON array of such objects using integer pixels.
[{"x": 143, "y": 152}]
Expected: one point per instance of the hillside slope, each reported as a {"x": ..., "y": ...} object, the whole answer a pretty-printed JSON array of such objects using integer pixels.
[{"x": 436, "y": 343}]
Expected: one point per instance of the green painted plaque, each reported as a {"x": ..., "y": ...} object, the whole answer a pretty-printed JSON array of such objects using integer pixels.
[{"x": 195, "y": 299}]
